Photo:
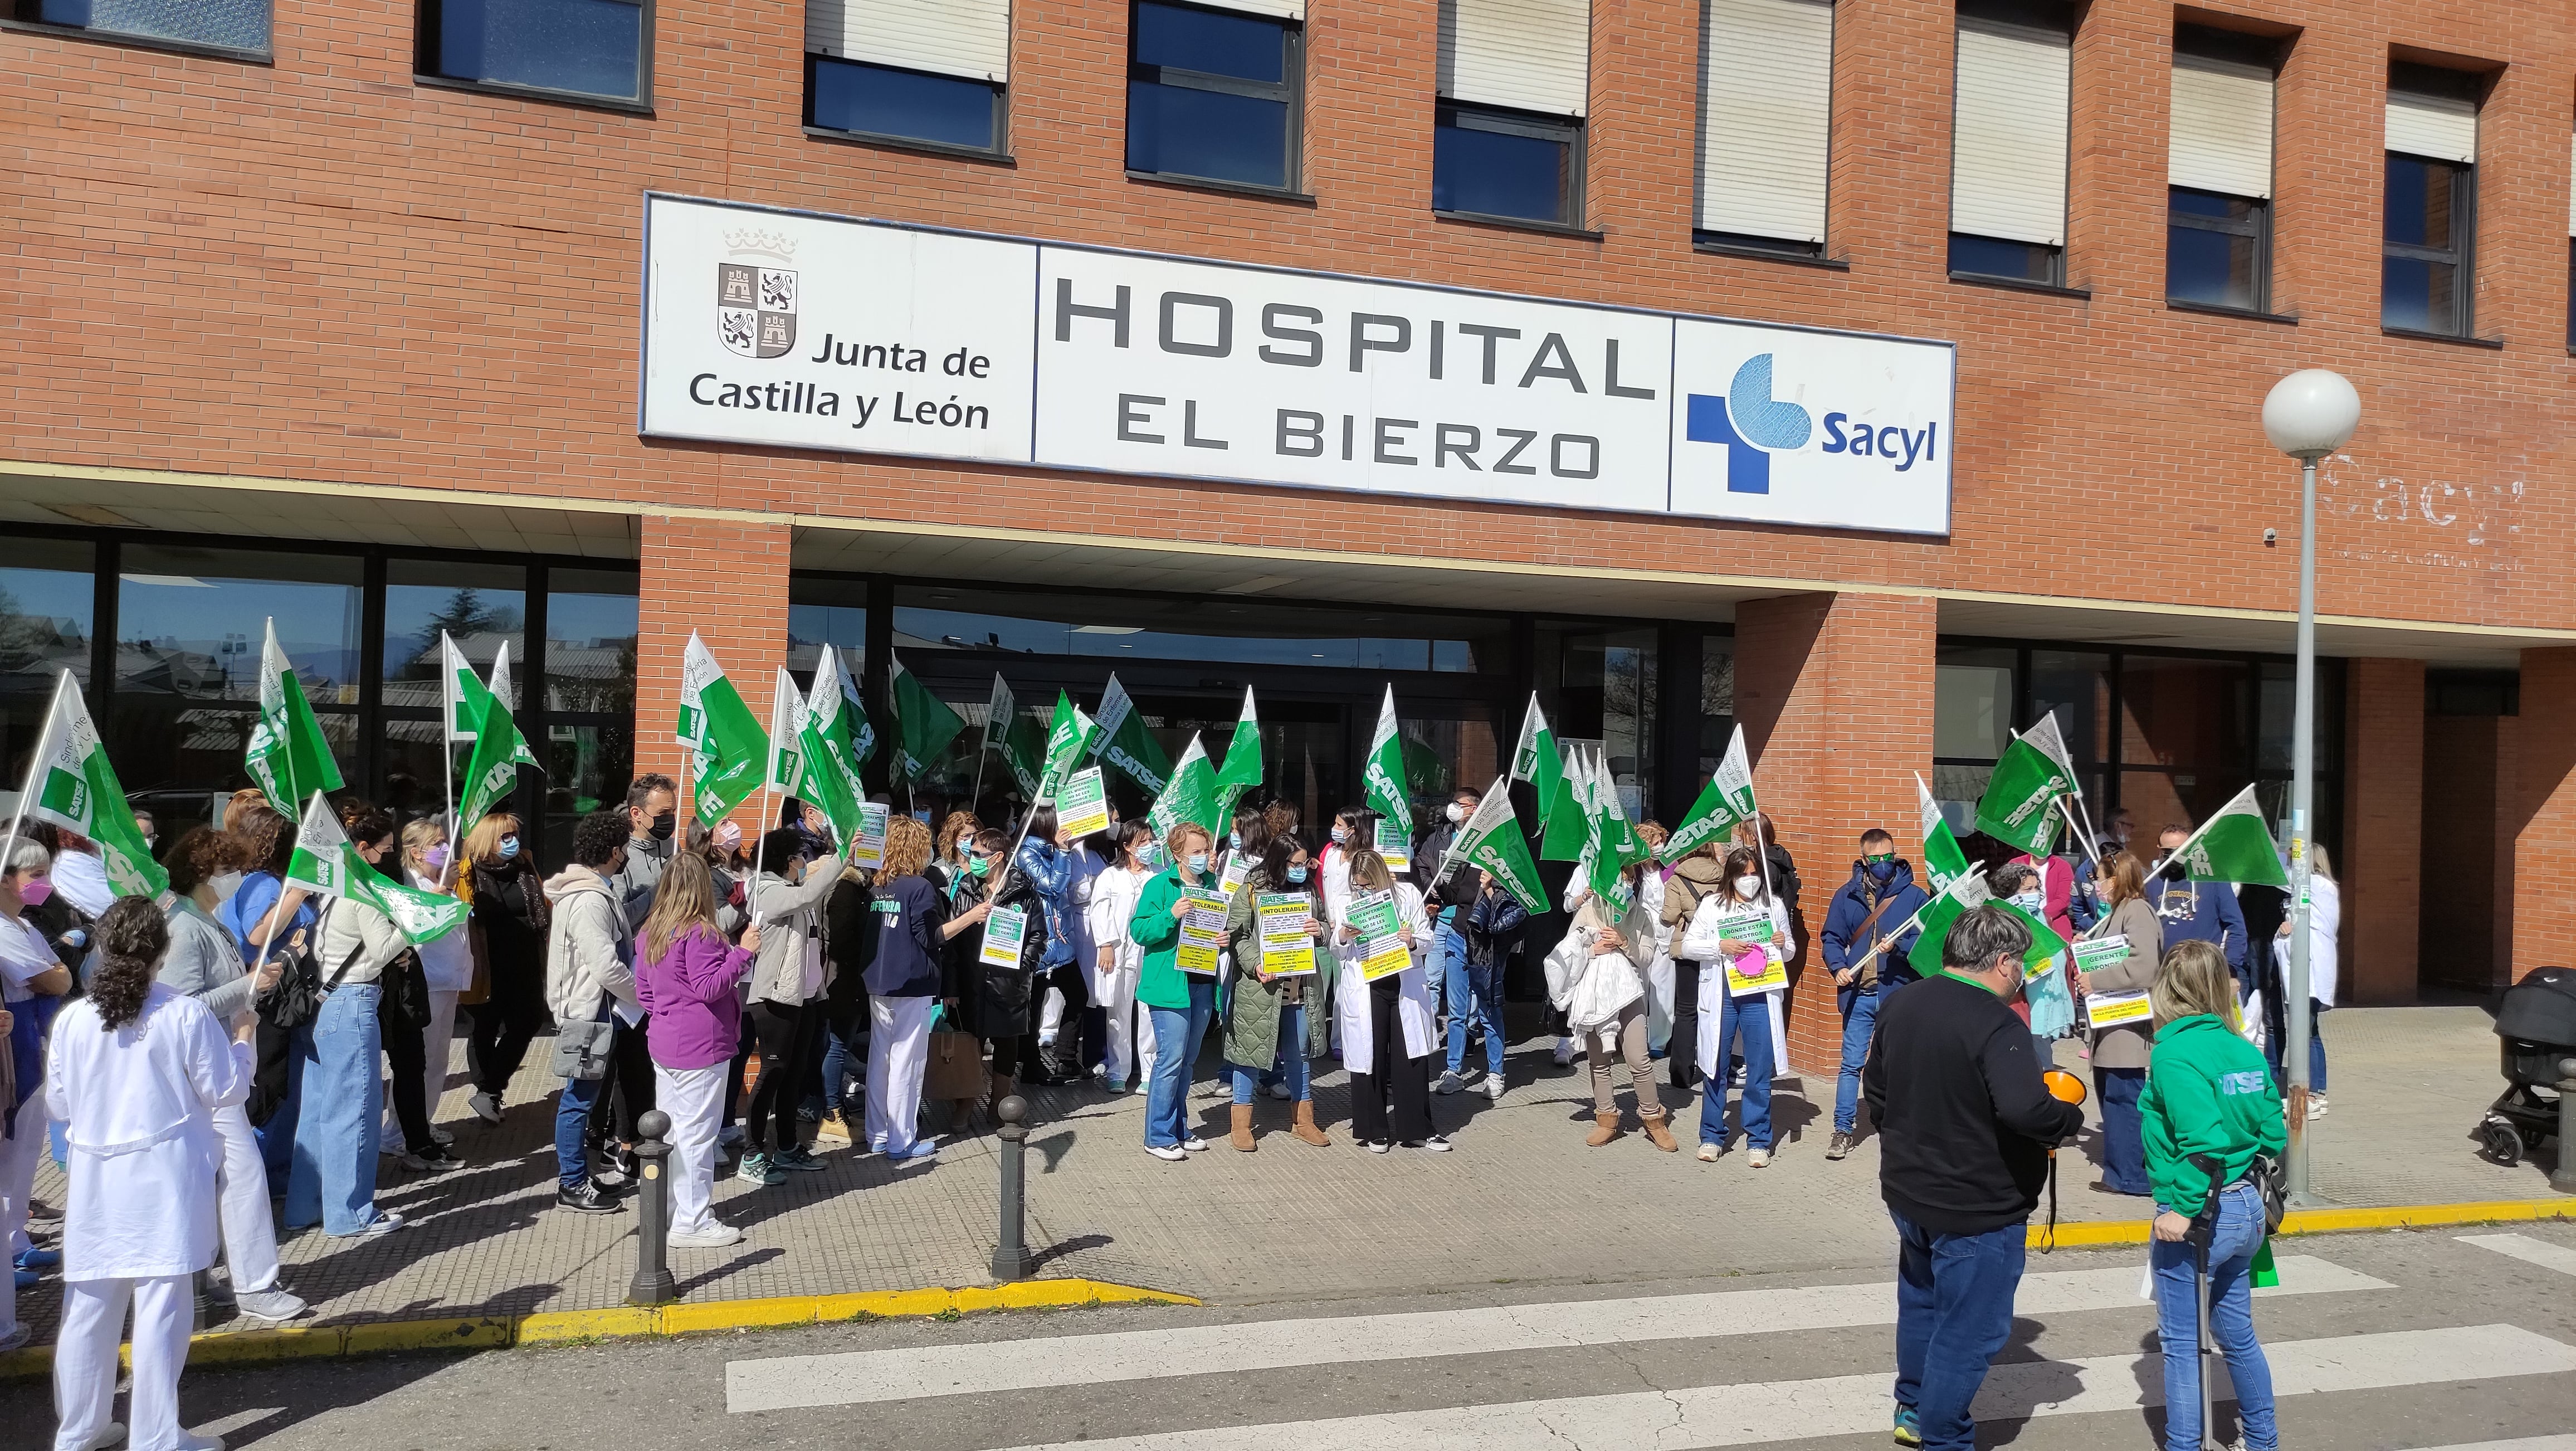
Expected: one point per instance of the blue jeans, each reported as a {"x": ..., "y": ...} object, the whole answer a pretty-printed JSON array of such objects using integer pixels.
[
  {"x": 1178, "y": 1033},
  {"x": 1860, "y": 1020},
  {"x": 2273, "y": 1045},
  {"x": 1446, "y": 971},
  {"x": 572, "y": 1121},
  {"x": 1288, "y": 1064},
  {"x": 1954, "y": 1304},
  {"x": 836, "y": 1066},
  {"x": 332, "y": 1179},
  {"x": 2124, "y": 1131},
  {"x": 2231, "y": 1324},
  {"x": 1749, "y": 1015},
  {"x": 1475, "y": 996}
]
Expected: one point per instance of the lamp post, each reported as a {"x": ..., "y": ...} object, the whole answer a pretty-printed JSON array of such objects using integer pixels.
[{"x": 2307, "y": 415}]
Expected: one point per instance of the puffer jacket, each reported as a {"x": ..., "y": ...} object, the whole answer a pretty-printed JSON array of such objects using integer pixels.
[
  {"x": 590, "y": 951},
  {"x": 791, "y": 926},
  {"x": 1693, "y": 877},
  {"x": 1253, "y": 1008}
]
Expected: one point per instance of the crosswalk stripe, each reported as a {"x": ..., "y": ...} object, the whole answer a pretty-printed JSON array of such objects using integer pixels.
[
  {"x": 2523, "y": 1247},
  {"x": 1756, "y": 1413},
  {"x": 859, "y": 1377},
  {"x": 2526, "y": 1443}
]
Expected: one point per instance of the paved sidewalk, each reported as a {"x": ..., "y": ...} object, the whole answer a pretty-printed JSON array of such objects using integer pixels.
[{"x": 1521, "y": 1200}]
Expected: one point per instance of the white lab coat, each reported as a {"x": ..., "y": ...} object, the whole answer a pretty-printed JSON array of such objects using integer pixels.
[
  {"x": 2325, "y": 921},
  {"x": 1712, "y": 992},
  {"x": 138, "y": 1106},
  {"x": 1413, "y": 989}
]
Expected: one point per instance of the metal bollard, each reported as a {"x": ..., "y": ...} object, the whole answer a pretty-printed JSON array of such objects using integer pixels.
[
  {"x": 2563, "y": 1177},
  {"x": 653, "y": 1284},
  {"x": 1011, "y": 1256}
]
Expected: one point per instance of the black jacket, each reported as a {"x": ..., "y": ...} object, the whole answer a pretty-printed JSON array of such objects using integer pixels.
[
  {"x": 1492, "y": 925},
  {"x": 1964, "y": 1122}
]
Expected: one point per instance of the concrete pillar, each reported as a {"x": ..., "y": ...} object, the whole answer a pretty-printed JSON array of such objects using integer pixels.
[
  {"x": 728, "y": 582},
  {"x": 2382, "y": 873},
  {"x": 2543, "y": 816},
  {"x": 1834, "y": 692}
]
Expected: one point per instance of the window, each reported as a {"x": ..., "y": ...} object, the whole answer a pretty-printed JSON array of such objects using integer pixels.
[
  {"x": 2425, "y": 267},
  {"x": 233, "y": 25},
  {"x": 1212, "y": 95},
  {"x": 48, "y": 600},
  {"x": 1507, "y": 139},
  {"x": 2218, "y": 220},
  {"x": 586, "y": 48},
  {"x": 934, "y": 71},
  {"x": 2008, "y": 141},
  {"x": 1766, "y": 101},
  {"x": 589, "y": 698}
]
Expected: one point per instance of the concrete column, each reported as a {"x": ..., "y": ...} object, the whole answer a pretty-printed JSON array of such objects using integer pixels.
[
  {"x": 2543, "y": 815},
  {"x": 1834, "y": 692},
  {"x": 2381, "y": 872},
  {"x": 727, "y": 582}
]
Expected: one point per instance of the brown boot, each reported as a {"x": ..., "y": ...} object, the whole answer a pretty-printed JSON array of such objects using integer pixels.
[
  {"x": 1659, "y": 1131},
  {"x": 1305, "y": 1128},
  {"x": 1605, "y": 1127},
  {"x": 1243, "y": 1128}
]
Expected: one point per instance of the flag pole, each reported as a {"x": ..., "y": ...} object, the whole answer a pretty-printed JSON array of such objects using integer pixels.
[{"x": 36, "y": 762}]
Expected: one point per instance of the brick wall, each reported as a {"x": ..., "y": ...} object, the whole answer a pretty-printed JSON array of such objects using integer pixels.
[
  {"x": 2381, "y": 873},
  {"x": 1835, "y": 696},
  {"x": 2543, "y": 815},
  {"x": 728, "y": 583}
]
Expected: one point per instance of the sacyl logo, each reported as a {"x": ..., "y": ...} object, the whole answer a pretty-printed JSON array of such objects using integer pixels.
[{"x": 1754, "y": 425}]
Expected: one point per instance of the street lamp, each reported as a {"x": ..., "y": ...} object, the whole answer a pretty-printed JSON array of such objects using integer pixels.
[{"x": 2307, "y": 415}]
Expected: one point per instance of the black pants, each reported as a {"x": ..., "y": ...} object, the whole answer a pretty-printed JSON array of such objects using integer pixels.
[
  {"x": 745, "y": 1044},
  {"x": 1681, "y": 1058},
  {"x": 1399, "y": 1081},
  {"x": 408, "y": 1056},
  {"x": 504, "y": 1025},
  {"x": 628, "y": 1086},
  {"x": 787, "y": 1037},
  {"x": 1069, "y": 1049}
]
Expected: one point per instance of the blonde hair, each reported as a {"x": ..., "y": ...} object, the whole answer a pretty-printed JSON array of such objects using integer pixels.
[
  {"x": 1176, "y": 841},
  {"x": 907, "y": 849},
  {"x": 483, "y": 843},
  {"x": 685, "y": 898},
  {"x": 1652, "y": 833},
  {"x": 419, "y": 835},
  {"x": 2193, "y": 979},
  {"x": 2320, "y": 864},
  {"x": 1369, "y": 870}
]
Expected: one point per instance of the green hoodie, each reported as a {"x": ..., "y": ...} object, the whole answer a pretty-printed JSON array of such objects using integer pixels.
[
  {"x": 1161, "y": 983},
  {"x": 2208, "y": 1092}
]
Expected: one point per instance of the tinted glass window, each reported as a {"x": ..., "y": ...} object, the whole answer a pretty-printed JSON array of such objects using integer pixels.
[
  {"x": 1995, "y": 257},
  {"x": 2424, "y": 235},
  {"x": 480, "y": 606},
  {"x": 592, "y": 47},
  {"x": 882, "y": 101},
  {"x": 1212, "y": 96},
  {"x": 2214, "y": 249},
  {"x": 47, "y": 602},
  {"x": 1500, "y": 173},
  {"x": 590, "y": 641},
  {"x": 1243, "y": 46},
  {"x": 234, "y": 24}
]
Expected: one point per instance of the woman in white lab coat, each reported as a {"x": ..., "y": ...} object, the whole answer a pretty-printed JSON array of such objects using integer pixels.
[
  {"x": 1386, "y": 1024},
  {"x": 136, "y": 1072},
  {"x": 1130, "y": 1055}
]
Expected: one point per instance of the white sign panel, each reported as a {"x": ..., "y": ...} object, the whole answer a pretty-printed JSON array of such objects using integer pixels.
[{"x": 803, "y": 331}]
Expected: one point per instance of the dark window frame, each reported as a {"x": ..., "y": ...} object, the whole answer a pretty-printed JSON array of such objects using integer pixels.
[
  {"x": 2460, "y": 256},
  {"x": 425, "y": 72},
  {"x": 2055, "y": 280},
  {"x": 1290, "y": 90},
  {"x": 1001, "y": 147},
  {"x": 2258, "y": 227},
  {"x": 1571, "y": 131},
  {"x": 28, "y": 16}
]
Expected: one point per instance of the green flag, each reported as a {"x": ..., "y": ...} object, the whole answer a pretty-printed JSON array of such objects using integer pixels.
[
  {"x": 464, "y": 696},
  {"x": 287, "y": 755},
  {"x": 2020, "y": 798},
  {"x": 1615, "y": 844},
  {"x": 1968, "y": 890},
  {"x": 2234, "y": 846},
  {"x": 1382, "y": 773},
  {"x": 1069, "y": 740},
  {"x": 732, "y": 750},
  {"x": 492, "y": 771},
  {"x": 1190, "y": 796},
  {"x": 1536, "y": 760},
  {"x": 70, "y": 784},
  {"x": 1006, "y": 731},
  {"x": 1425, "y": 774},
  {"x": 1241, "y": 770},
  {"x": 1724, "y": 803},
  {"x": 923, "y": 723},
  {"x": 1126, "y": 744},
  {"x": 1492, "y": 839},
  {"x": 833, "y": 725},
  {"x": 325, "y": 863}
]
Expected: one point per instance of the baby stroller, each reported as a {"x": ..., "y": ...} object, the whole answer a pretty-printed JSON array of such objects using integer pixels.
[{"x": 2536, "y": 1018}]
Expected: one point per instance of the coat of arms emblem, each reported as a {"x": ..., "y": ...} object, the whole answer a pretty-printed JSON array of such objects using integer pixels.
[{"x": 756, "y": 294}]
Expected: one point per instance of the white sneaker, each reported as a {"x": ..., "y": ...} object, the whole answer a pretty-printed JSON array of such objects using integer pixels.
[
  {"x": 716, "y": 1238},
  {"x": 1759, "y": 1158},
  {"x": 1710, "y": 1153},
  {"x": 385, "y": 1222},
  {"x": 1195, "y": 1144},
  {"x": 486, "y": 1107},
  {"x": 1494, "y": 1087},
  {"x": 269, "y": 1304},
  {"x": 1169, "y": 1153},
  {"x": 111, "y": 1434},
  {"x": 2316, "y": 1106},
  {"x": 1564, "y": 1051},
  {"x": 191, "y": 1441}
]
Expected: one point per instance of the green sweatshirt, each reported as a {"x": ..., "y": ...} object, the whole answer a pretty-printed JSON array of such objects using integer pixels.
[
  {"x": 2208, "y": 1092},
  {"x": 1160, "y": 982}
]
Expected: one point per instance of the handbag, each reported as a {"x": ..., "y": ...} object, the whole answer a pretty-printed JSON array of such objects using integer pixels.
[
  {"x": 2271, "y": 1180},
  {"x": 295, "y": 999},
  {"x": 581, "y": 1049},
  {"x": 405, "y": 1003},
  {"x": 955, "y": 1068}
]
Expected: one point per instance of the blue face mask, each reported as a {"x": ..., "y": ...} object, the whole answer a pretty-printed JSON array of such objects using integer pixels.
[
  {"x": 1234, "y": 839},
  {"x": 1198, "y": 863},
  {"x": 509, "y": 847},
  {"x": 1296, "y": 876},
  {"x": 1881, "y": 871}
]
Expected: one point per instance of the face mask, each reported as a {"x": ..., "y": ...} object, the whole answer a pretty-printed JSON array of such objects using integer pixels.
[
  {"x": 36, "y": 893},
  {"x": 1881, "y": 868},
  {"x": 435, "y": 859},
  {"x": 1198, "y": 863},
  {"x": 1748, "y": 887},
  {"x": 509, "y": 847},
  {"x": 2028, "y": 901},
  {"x": 1456, "y": 813},
  {"x": 729, "y": 835},
  {"x": 225, "y": 884},
  {"x": 1296, "y": 876},
  {"x": 1234, "y": 839},
  {"x": 1341, "y": 834},
  {"x": 922, "y": 816},
  {"x": 665, "y": 824},
  {"x": 980, "y": 866}
]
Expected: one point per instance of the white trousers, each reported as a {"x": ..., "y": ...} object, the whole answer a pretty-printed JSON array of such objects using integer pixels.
[
  {"x": 898, "y": 1051},
  {"x": 694, "y": 1098},
  {"x": 85, "y": 1359},
  {"x": 250, "y": 1235},
  {"x": 1130, "y": 1059},
  {"x": 18, "y": 1181},
  {"x": 435, "y": 1040},
  {"x": 1051, "y": 1016}
]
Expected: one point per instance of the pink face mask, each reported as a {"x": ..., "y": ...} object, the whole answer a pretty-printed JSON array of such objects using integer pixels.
[
  {"x": 36, "y": 893},
  {"x": 729, "y": 835},
  {"x": 435, "y": 858}
]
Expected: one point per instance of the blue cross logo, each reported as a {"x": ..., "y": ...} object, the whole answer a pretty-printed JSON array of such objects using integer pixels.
[{"x": 1751, "y": 427}]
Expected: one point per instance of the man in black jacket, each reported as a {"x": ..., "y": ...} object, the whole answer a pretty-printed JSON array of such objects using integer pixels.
[{"x": 1965, "y": 1125}]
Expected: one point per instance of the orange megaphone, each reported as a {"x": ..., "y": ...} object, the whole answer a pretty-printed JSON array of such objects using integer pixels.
[{"x": 2063, "y": 1086}]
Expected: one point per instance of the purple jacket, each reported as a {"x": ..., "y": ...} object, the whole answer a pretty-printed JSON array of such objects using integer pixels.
[{"x": 689, "y": 990}]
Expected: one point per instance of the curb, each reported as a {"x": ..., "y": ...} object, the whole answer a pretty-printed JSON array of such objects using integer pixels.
[
  {"x": 569, "y": 1327},
  {"x": 2332, "y": 1221}
]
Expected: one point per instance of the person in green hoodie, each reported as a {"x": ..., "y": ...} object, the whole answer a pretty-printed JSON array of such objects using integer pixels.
[
  {"x": 2208, "y": 1094},
  {"x": 1182, "y": 1004}
]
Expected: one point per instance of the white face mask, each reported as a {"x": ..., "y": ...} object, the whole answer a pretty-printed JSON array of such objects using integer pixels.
[
  {"x": 1457, "y": 813},
  {"x": 1748, "y": 887},
  {"x": 1341, "y": 834}
]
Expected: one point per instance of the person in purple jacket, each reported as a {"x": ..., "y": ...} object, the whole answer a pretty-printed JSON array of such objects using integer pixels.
[{"x": 686, "y": 983}]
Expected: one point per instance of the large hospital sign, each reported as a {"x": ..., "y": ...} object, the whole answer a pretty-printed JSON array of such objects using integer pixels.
[{"x": 795, "y": 330}]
